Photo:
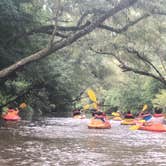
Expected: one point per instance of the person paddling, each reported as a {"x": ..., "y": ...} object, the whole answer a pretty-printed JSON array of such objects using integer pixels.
[
  {"x": 77, "y": 112},
  {"x": 158, "y": 116},
  {"x": 100, "y": 115},
  {"x": 146, "y": 115},
  {"x": 128, "y": 115}
]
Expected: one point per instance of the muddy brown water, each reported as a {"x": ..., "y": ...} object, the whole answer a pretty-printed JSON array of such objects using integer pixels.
[{"x": 68, "y": 142}]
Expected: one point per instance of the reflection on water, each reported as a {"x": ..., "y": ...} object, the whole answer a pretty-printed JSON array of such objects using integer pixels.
[{"x": 68, "y": 142}]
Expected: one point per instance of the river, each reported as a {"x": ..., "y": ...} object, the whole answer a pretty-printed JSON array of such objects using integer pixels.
[{"x": 68, "y": 142}]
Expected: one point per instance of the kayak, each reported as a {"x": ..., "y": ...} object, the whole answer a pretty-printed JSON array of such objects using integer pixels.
[
  {"x": 79, "y": 117},
  {"x": 154, "y": 127},
  {"x": 118, "y": 118},
  {"x": 128, "y": 122},
  {"x": 10, "y": 117},
  {"x": 99, "y": 124}
]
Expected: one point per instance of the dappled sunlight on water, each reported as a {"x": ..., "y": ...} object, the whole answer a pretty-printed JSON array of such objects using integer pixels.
[{"x": 69, "y": 142}]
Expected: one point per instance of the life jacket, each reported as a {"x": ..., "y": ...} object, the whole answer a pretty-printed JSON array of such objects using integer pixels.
[
  {"x": 158, "y": 115},
  {"x": 147, "y": 116},
  {"x": 12, "y": 111},
  {"x": 129, "y": 116},
  {"x": 76, "y": 112},
  {"x": 157, "y": 118},
  {"x": 102, "y": 117},
  {"x": 99, "y": 116}
]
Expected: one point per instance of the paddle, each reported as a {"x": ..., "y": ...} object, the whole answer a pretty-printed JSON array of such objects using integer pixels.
[
  {"x": 88, "y": 106},
  {"x": 23, "y": 105},
  {"x": 136, "y": 127},
  {"x": 91, "y": 94},
  {"x": 145, "y": 107}
]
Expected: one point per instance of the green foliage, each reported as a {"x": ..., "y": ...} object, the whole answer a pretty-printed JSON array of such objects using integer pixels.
[
  {"x": 160, "y": 99},
  {"x": 16, "y": 86},
  {"x": 58, "y": 79},
  {"x": 133, "y": 95},
  {"x": 4, "y": 98}
]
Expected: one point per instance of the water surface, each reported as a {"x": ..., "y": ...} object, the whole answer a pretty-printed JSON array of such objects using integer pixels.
[{"x": 68, "y": 142}]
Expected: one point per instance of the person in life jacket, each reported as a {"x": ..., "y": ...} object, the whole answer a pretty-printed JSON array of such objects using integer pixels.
[
  {"x": 100, "y": 115},
  {"x": 128, "y": 115},
  {"x": 93, "y": 112},
  {"x": 146, "y": 115},
  {"x": 77, "y": 112},
  {"x": 158, "y": 116},
  {"x": 12, "y": 111}
]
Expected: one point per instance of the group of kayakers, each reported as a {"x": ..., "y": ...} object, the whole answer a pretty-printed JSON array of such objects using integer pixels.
[
  {"x": 156, "y": 117},
  {"x": 144, "y": 118},
  {"x": 96, "y": 113}
]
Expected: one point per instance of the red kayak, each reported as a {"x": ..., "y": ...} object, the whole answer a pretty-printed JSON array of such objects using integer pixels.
[
  {"x": 154, "y": 127},
  {"x": 11, "y": 115}
]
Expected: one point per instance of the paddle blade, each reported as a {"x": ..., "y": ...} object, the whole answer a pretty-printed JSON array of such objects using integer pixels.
[
  {"x": 135, "y": 127},
  {"x": 145, "y": 107},
  {"x": 91, "y": 95},
  {"x": 23, "y": 105},
  {"x": 94, "y": 105},
  {"x": 113, "y": 113},
  {"x": 86, "y": 107},
  {"x": 90, "y": 106}
]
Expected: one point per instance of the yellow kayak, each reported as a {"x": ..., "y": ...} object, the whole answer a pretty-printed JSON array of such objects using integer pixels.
[
  {"x": 99, "y": 124},
  {"x": 79, "y": 117},
  {"x": 118, "y": 118},
  {"x": 128, "y": 122}
]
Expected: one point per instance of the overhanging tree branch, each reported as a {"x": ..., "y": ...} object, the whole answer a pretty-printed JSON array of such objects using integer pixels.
[
  {"x": 141, "y": 72},
  {"x": 144, "y": 59},
  {"x": 126, "y": 27},
  {"x": 126, "y": 68},
  {"x": 48, "y": 29},
  {"x": 68, "y": 41}
]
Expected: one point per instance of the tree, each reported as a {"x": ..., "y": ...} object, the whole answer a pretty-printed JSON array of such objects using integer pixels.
[
  {"x": 133, "y": 94},
  {"x": 126, "y": 39},
  {"x": 138, "y": 45},
  {"x": 159, "y": 99},
  {"x": 69, "y": 40}
]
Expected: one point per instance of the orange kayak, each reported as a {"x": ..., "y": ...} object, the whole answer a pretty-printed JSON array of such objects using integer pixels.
[
  {"x": 99, "y": 124},
  {"x": 11, "y": 115},
  {"x": 154, "y": 127}
]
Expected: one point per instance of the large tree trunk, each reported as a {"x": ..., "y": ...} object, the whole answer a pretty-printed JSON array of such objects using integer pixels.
[{"x": 68, "y": 41}]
